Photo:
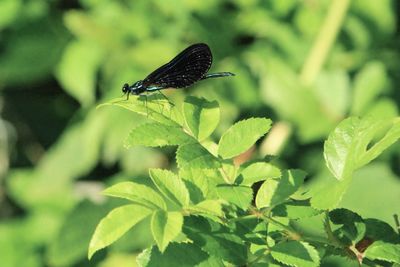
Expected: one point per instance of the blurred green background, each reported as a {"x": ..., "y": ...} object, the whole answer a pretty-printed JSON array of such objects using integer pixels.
[{"x": 305, "y": 64}]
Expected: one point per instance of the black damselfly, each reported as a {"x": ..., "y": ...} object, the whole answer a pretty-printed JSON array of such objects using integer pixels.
[{"x": 188, "y": 67}]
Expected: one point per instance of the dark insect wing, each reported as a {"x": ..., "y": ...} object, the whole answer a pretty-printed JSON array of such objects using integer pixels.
[{"x": 185, "y": 69}]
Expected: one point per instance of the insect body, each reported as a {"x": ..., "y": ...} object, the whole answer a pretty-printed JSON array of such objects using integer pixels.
[{"x": 188, "y": 67}]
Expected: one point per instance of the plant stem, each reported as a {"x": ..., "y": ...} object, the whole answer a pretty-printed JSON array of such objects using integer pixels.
[
  {"x": 292, "y": 234},
  {"x": 322, "y": 45}
]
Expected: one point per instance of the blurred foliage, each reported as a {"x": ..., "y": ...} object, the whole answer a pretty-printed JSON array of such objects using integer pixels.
[{"x": 59, "y": 58}]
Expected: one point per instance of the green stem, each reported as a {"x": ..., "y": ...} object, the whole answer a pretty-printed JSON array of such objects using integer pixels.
[
  {"x": 238, "y": 219},
  {"x": 292, "y": 234},
  {"x": 322, "y": 45}
]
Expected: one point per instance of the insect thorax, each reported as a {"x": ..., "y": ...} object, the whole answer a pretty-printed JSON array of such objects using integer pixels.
[{"x": 137, "y": 88}]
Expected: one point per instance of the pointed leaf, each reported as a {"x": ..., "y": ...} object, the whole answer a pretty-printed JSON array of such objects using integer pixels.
[
  {"x": 170, "y": 185},
  {"x": 347, "y": 146},
  {"x": 295, "y": 210},
  {"x": 241, "y": 196},
  {"x": 157, "y": 134},
  {"x": 210, "y": 208},
  {"x": 384, "y": 251},
  {"x": 352, "y": 228},
  {"x": 241, "y": 136},
  {"x": 330, "y": 195},
  {"x": 217, "y": 240},
  {"x": 201, "y": 116},
  {"x": 153, "y": 107},
  {"x": 275, "y": 191},
  {"x": 165, "y": 226},
  {"x": 138, "y": 193},
  {"x": 256, "y": 172},
  {"x": 115, "y": 224},
  {"x": 196, "y": 156},
  {"x": 178, "y": 254},
  {"x": 295, "y": 253}
]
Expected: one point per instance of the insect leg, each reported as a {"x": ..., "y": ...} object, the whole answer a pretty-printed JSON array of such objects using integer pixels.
[{"x": 166, "y": 98}]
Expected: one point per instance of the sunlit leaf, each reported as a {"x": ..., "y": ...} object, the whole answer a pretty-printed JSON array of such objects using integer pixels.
[
  {"x": 153, "y": 107},
  {"x": 201, "y": 116},
  {"x": 157, "y": 134},
  {"x": 256, "y": 172},
  {"x": 196, "y": 156},
  {"x": 209, "y": 208},
  {"x": 178, "y": 254},
  {"x": 347, "y": 147},
  {"x": 241, "y": 136},
  {"x": 384, "y": 251},
  {"x": 329, "y": 194},
  {"x": 138, "y": 193},
  {"x": 165, "y": 226},
  {"x": 295, "y": 253},
  {"x": 170, "y": 185},
  {"x": 115, "y": 224},
  {"x": 274, "y": 191},
  {"x": 241, "y": 196}
]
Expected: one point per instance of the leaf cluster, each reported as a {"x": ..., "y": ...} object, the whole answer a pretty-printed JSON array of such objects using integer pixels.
[{"x": 210, "y": 212}]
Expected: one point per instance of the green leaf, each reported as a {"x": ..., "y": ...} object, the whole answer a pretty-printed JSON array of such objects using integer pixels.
[
  {"x": 216, "y": 240},
  {"x": 201, "y": 116},
  {"x": 256, "y": 172},
  {"x": 295, "y": 210},
  {"x": 368, "y": 84},
  {"x": 70, "y": 244},
  {"x": 241, "y": 196},
  {"x": 295, "y": 253},
  {"x": 157, "y": 134},
  {"x": 165, "y": 226},
  {"x": 330, "y": 194},
  {"x": 371, "y": 186},
  {"x": 138, "y": 193},
  {"x": 210, "y": 208},
  {"x": 384, "y": 251},
  {"x": 275, "y": 191},
  {"x": 182, "y": 255},
  {"x": 196, "y": 182},
  {"x": 78, "y": 79},
  {"x": 201, "y": 183},
  {"x": 378, "y": 230},
  {"x": 195, "y": 156},
  {"x": 344, "y": 216},
  {"x": 171, "y": 186},
  {"x": 241, "y": 136},
  {"x": 153, "y": 107},
  {"x": 115, "y": 224},
  {"x": 353, "y": 227},
  {"x": 347, "y": 146}
]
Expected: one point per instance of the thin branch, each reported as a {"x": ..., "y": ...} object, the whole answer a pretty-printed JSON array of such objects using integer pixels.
[{"x": 324, "y": 42}]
